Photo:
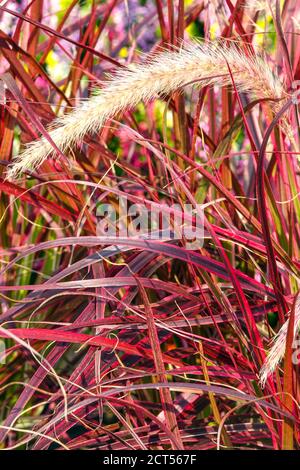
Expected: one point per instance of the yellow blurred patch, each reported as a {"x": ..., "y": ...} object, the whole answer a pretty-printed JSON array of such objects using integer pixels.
[
  {"x": 123, "y": 52},
  {"x": 213, "y": 30},
  {"x": 54, "y": 65}
]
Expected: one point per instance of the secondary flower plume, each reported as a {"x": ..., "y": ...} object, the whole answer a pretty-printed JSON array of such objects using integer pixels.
[
  {"x": 160, "y": 75},
  {"x": 279, "y": 343}
]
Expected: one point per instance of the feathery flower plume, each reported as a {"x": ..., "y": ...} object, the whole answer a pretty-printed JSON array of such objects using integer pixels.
[
  {"x": 278, "y": 348},
  {"x": 160, "y": 75},
  {"x": 259, "y": 4}
]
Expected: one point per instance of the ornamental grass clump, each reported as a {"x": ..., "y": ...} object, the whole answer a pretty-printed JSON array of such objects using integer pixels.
[{"x": 116, "y": 334}]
